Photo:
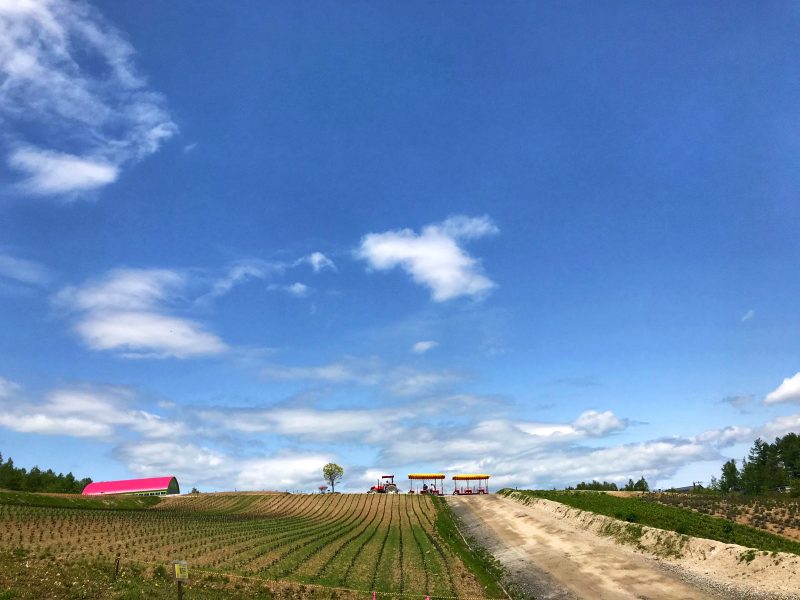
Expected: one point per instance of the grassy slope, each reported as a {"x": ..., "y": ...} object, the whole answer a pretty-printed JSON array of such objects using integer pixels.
[
  {"x": 640, "y": 510},
  {"x": 78, "y": 501}
]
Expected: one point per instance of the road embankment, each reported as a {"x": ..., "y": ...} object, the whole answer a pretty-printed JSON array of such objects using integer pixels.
[{"x": 555, "y": 552}]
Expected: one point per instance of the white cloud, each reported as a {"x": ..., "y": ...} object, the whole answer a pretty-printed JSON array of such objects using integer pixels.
[
  {"x": 434, "y": 257},
  {"x": 424, "y": 346},
  {"x": 23, "y": 271},
  {"x": 788, "y": 391},
  {"x": 127, "y": 312},
  {"x": 303, "y": 422},
  {"x": 372, "y": 425},
  {"x": 125, "y": 290},
  {"x": 780, "y": 426},
  {"x": 726, "y": 436},
  {"x": 748, "y": 315},
  {"x": 284, "y": 471},
  {"x": 68, "y": 76},
  {"x": 297, "y": 289},
  {"x": 599, "y": 423},
  {"x": 410, "y": 382},
  {"x": 183, "y": 459},
  {"x": 319, "y": 262},
  {"x": 51, "y": 173},
  {"x": 83, "y": 411},
  {"x": 468, "y": 228},
  {"x": 203, "y": 465},
  {"x": 147, "y": 335}
]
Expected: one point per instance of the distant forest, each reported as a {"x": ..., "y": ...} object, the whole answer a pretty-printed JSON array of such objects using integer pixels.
[
  {"x": 767, "y": 468},
  {"x": 36, "y": 480},
  {"x": 605, "y": 486}
]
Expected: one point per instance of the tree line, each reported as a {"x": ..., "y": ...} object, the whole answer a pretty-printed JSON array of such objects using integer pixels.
[
  {"x": 632, "y": 486},
  {"x": 36, "y": 480},
  {"x": 767, "y": 468}
]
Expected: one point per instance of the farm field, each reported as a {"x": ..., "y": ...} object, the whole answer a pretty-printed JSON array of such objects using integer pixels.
[
  {"x": 360, "y": 542},
  {"x": 656, "y": 510},
  {"x": 777, "y": 515}
]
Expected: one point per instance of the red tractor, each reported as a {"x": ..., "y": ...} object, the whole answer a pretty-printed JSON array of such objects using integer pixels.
[{"x": 386, "y": 485}]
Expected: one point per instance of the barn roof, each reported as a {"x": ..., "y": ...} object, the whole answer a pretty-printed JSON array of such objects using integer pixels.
[{"x": 128, "y": 486}]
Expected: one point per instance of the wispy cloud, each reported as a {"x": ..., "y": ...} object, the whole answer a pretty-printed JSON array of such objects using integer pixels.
[
  {"x": 787, "y": 391},
  {"x": 584, "y": 381},
  {"x": 348, "y": 370},
  {"x": 739, "y": 402},
  {"x": 296, "y": 289},
  {"x": 318, "y": 261},
  {"x": 396, "y": 380},
  {"x": 52, "y": 173},
  {"x": 128, "y": 311},
  {"x": 241, "y": 272},
  {"x": 748, "y": 315},
  {"x": 100, "y": 412},
  {"x": 434, "y": 258},
  {"x": 423, "y": 346},
  {"x": 23, "y": 271},
  {"x": 69, "y": 78},
  {"x": 286, "y": 470}
]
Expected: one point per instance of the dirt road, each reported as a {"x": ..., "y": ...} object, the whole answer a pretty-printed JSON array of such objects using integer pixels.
[{"x": 553, "y": 560}]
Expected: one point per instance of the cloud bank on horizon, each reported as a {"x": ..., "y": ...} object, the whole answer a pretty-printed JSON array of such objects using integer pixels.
[{"x": 188, "y": 440}]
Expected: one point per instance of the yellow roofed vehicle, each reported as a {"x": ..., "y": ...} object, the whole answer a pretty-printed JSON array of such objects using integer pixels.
[
  {"x": 426, "y": 483},
  {"x": 467, "y": 484}
]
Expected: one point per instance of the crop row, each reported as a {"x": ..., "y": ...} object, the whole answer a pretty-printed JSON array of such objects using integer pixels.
[
  {"x": 359, "y": 541},
  {"x": 774, "y": 514}
]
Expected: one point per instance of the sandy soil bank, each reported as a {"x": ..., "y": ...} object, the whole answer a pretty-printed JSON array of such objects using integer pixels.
[{"x": 556, "y": 552}]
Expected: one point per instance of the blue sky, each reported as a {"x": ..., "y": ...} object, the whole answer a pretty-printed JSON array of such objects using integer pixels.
[{"x": 550, "y": 243}]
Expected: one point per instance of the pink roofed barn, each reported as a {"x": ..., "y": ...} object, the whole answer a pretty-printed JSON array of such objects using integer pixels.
[{"x": 151, "y": 486}]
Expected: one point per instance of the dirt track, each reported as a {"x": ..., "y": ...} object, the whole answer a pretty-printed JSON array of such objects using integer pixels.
[{"x": 550, "y": 559}]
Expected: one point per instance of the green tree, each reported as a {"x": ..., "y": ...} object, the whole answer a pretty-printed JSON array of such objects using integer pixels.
[
  {"x": 641, "y": 485},
  {"x": 789, "y": 454},
  {"x": 729, "y": 480},
  {"x": 34, "y": 481},
  {"x": 763, "y": 468},
  {"x": 333, "y": 474},
  {"x": 596, "y": 485}
]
